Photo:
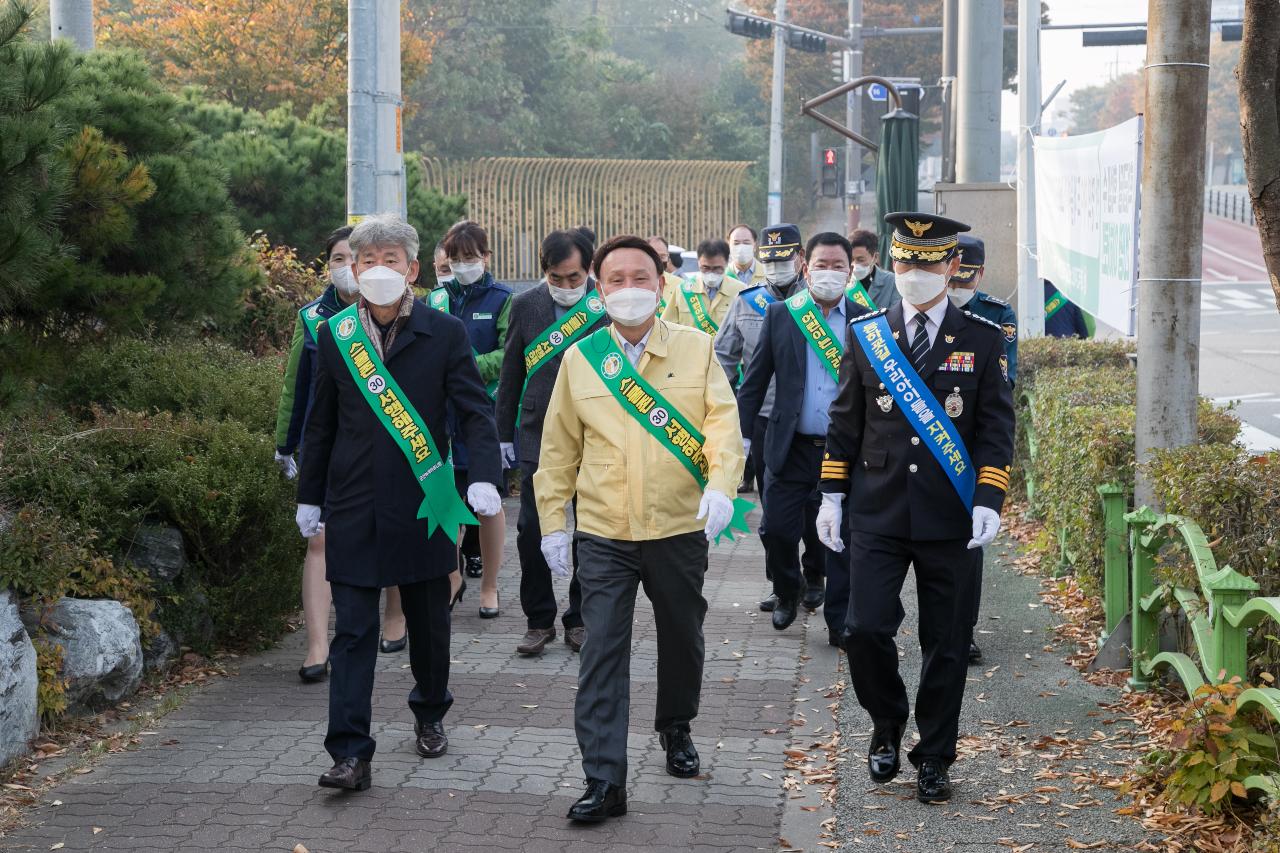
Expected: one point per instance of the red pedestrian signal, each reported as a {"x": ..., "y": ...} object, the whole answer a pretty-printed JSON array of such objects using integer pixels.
[{"x": 829, "y": 157}]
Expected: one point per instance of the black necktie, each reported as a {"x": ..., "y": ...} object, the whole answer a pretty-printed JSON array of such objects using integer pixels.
[{"x": 920, "y": 342}]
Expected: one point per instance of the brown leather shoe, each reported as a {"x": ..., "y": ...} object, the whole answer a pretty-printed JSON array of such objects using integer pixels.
[
  {"x": 575, "y": 637},
  {"x": 432, "y": 741},
  {"x": 349, "y": 774},
  {"x": 535, "y": 641}
]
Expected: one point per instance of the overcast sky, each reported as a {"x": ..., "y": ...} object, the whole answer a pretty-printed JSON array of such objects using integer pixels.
[{"x": 1063, "y": 58}]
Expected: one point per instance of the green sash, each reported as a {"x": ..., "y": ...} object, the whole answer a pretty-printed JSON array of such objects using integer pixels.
[
  {"x": 439, "y": 300},
  {"x": 859, "y": 294},
  {"x": 817, "y": 332},
  {"x": 558, "y": 337},
  {"x": 697, "y": 305},
  {"x": 441, "y": 506},
  {"x": 659, "y": 418},
  {"x": 311, "y": 319},
  {"x": 1054, "y": 305}
]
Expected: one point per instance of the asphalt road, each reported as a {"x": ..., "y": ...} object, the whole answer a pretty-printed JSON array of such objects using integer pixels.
[{"x": 1240, "y": 330}]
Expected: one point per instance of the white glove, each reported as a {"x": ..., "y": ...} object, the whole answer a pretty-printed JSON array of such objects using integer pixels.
[
  {"x": 829, "y": 522},
  {"x": 746, "y": 447},
  {"x": 555, "y": 548},
  {"x": 986, "y": 524},
  {"x": 288, "y": 466},
  {"x": 717, "y": 509},
  {"x": 308, "y": 519},
  {"x": 484, "y": 499},
  {"x": 508, "y": 454}
]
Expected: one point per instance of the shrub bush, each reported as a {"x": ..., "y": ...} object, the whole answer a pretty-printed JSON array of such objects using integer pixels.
[
  {"x": 1036, "y": 354},
  {"x": 1083, "y": 418},
  {"x": 212, "y": 479},
  {"x": 270, "y": 309}
]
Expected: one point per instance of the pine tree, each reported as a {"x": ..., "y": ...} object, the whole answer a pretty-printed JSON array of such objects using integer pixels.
[{"x": 34, "y": 81}]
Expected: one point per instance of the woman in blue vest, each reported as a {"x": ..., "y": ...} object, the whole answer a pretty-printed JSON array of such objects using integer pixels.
[{"x": 484, "y": 307}]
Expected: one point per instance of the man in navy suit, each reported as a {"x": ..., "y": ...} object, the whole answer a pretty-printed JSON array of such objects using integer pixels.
[{"x": 801, "y": 344}]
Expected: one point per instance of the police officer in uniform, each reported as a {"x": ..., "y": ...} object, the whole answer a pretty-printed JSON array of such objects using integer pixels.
[
  {"x": 921, "y": 430},
  {"x": 964, "y": 293}
]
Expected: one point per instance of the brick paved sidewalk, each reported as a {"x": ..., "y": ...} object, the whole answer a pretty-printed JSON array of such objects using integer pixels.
[{"x": 235, "y": 768}]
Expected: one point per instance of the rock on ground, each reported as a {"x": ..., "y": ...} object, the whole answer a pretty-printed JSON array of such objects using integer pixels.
[
  {"x": 102, "y": 651},
  {"x": 19, "y": 717},
  {"x": 158, "y": 550}
]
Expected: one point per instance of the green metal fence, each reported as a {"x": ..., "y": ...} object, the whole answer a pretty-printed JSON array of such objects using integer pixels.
[{"x": 1220, "y": 611}]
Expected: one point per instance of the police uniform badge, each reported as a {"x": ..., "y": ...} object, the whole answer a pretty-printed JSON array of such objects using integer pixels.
[
  {"x": 1010, "y": 332},
  {"x": 954, "y": 404},
  {"x": 1004, "y": 367},
  {"x": 885, "y": 402},
  {"x": 951, "y": 339}
]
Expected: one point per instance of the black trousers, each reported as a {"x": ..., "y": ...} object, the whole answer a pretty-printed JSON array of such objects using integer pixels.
[
  {"x": 945, "y": 573},
  {"x": 977, "y": 588},
  {"x": 754, "y": 470},
  {"x": 537, "y": 595},
  {"x": 353, "y": 655},
  {"x": 791, "y": 501},
  {"x": 672, "y": 571}
]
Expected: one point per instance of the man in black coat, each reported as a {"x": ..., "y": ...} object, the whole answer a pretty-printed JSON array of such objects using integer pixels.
[
  {"x": 920, "y": 444},
  {"x": 379, "y": 532},
  {"x": 797, "y": 430},
  {"x": 545, "y": 321}
]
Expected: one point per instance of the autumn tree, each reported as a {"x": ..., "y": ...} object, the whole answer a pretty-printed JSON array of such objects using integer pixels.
[
  {"x": 1259, "y": 76},
  {"x": 258, "y": 54}
]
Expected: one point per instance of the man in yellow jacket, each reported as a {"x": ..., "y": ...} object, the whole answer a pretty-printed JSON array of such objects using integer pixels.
[
  {"x": 643, "y": 427},
  {"x": 703, "y": 300}
]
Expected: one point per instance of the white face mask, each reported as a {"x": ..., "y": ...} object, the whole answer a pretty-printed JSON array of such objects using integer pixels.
[
  {"x": 960, "y": 296},
  {"x": 780, "y": 273},
  {"x": 567, "y": 297},
  {"x": 826, "y": 285},
  {"x": 467, "y": 273},
  {"x": 713, "y": 279},
  {"x": 631, "y": 306},
  {"x": 343, "y": 281},
  {"x": 382, "y": 285},
  {"x": 444, "y": 279},
  {"x": 861, "y": 271},
  {"x": 919, "y": 286},
  {"x": 742, "y": 253}
]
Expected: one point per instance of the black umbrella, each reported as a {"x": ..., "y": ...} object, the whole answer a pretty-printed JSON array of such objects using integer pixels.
[{"x": 897, "y": 185}]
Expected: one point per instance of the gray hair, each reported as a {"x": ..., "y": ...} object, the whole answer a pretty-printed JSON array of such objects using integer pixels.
[{"x": 385, "y": 229}]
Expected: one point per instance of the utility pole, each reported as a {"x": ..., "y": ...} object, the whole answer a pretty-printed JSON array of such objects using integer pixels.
[
  {"x": 981, "y": 46},
  {"x": 1169, "y": 245},
  {"x": 950, "y": 46},
  {"x": 1030, "y": 291},
  {"x": 73, "y": 20},
  {"x": 375, "y": 161},
  {"x": 853, "y": 121},
  {"x": 774, "y": 214}
]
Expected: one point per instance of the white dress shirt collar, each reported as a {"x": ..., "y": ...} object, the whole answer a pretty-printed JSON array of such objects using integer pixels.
[
  {"x": 934, "y": 315},
  {"x": 634, "y": 351}
]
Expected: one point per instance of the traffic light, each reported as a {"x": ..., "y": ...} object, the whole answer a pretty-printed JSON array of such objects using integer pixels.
[
  {"x": 830, "y": 178},
  {"x": 808, "y": 42},
  {"x": 1232, "y": 32},
  {"x": 751, "y": 26},
  {"x": 839, "y": 66}
]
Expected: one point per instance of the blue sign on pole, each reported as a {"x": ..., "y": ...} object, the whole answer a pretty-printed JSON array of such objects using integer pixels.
[{"x": 877, "y": 92}]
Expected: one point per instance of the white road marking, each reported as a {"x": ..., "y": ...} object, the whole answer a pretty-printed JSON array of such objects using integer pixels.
[
  {"x": 1250, "y": 264},
  {"x": 1258, "y": 440},
  {"x": 1260, "y": 351}
]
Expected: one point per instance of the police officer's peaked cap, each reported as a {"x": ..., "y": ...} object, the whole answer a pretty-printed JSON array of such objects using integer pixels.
[
  {"x": 778, "y": 242},
  {"x": 923, "y": 238},
  {"x": 973, "y": 254}
]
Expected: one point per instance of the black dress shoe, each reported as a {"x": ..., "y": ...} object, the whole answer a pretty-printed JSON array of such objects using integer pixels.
[
  {"x": 813, "y": 596},
  {"x": 975, "y": 653},
  {"x": 933, "y": 785},
  {"x": 769, "y": 603},
  {"x": 432, "y": 742},
  {"x": 315, "y": 672},
  {"x": 475, "y": 567},
  {"x": 602, "y": 800},
  {"x": 682, "y": 756},
  {"x": 349, "y": 774},
  {"x": 884, "y": 753},
  {"x": 834, "y": 639},
  {"x": 784, "y": 614},
  {"x": 390, "y": 647}
]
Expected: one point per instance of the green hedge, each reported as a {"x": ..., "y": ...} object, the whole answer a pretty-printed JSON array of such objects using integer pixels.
[{"x": 1083, "y": 418}]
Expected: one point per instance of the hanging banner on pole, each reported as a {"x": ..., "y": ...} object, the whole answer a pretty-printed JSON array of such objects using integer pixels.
[{"x": 1087, "y": 206}]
